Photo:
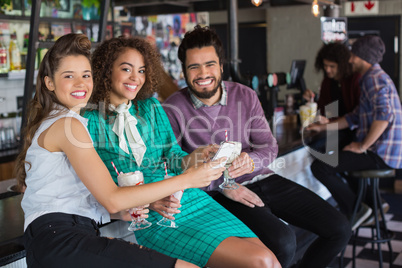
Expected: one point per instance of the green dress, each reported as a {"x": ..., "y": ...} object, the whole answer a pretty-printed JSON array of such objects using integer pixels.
[{"x": 203, "y": 223}]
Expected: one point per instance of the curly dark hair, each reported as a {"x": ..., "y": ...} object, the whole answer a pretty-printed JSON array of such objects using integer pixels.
[
  {"x": 198, "y": 38},
  {"x": 335, "y": 52},
  {"x": 106, "y": 54}
]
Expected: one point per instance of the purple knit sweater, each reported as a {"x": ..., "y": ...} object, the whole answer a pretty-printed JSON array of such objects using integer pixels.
[{"x": 242, "y": 117}]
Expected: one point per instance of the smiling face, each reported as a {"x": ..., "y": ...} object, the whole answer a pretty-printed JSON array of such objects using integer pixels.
[
  {"x": 204, "y": 73},
  {"x": 72, "y": 83},
  {"x": 128, "y": 76},
  {"x": 331, "y": 69}
]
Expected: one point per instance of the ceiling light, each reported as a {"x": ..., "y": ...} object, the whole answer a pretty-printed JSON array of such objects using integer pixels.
[
  {"x": 256, "y": 2},
  {"x": 315, "y": 8}
]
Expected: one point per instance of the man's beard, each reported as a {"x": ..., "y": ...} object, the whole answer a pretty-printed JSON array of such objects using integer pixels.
[{"x": 205, "y": 94}]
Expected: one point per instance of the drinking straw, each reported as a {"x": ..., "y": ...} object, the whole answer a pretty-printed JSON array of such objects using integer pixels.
[
  {"x": 115, "y": 169},
  {"x": 164, "y": 163},
  {"x": 226, "y": 135}
]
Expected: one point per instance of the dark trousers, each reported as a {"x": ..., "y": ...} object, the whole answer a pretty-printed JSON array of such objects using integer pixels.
[
  {"x": 65, "y": 240},
  {"x": 344, "y": 192},
  {"x": 300, "y": 207},
  {"x": 325, "y": 141}
]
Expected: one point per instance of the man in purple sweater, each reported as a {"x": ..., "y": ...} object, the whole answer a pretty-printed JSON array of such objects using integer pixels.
[{"x": 203, "y": 112}]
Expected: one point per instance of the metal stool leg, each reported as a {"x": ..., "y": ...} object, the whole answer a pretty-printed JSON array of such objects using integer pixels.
[
  {"x": 361, "y": 189},
  {"x": 378, "y": 235},
  {"x": 356, "y": 234},
  {"x": 385, "y": 234},
  {"x": 341, "y": 258}
]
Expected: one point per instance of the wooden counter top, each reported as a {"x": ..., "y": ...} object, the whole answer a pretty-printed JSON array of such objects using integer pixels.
[{"x": 11, "y": 229}]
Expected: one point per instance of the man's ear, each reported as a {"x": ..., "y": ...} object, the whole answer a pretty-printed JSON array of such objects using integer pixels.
[{"x": 49, "y": 83}]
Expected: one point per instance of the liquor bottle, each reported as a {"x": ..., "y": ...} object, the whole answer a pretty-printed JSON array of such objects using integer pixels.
[
  {"x": 15, "y": 55},
  {"x": 3, "y": 55},
  {"x": 24, "y": 51}
]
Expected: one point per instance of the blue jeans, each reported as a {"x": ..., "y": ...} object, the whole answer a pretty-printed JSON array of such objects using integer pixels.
[
  {"x": 300, "y": 207},
  {"x": 65, "y": 240}
]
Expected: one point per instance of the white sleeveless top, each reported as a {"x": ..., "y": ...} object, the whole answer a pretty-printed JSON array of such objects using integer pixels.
[{"x": 53, "y": 184}]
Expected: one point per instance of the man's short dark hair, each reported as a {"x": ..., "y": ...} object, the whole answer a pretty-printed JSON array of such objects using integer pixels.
[{"x": 198, "y": 38}]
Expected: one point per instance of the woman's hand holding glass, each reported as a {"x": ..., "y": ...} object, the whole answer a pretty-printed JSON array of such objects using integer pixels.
[
  {"x": 131, "y": 179},
  {"x": 166, "y": 206},
  {"x": 168, "y": 221},
  {"x": 125, "y": 214},
  {"x": 203, "y": 174}
]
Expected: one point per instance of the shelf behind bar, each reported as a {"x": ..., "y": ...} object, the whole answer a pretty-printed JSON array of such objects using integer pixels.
[{"x": 48, "y": 19}]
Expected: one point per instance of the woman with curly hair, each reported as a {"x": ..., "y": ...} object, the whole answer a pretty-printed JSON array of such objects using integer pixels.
[
  {"x": 339, "y": 83},
  {"x": 129, "y": 127},
  {"x": 339, "y": 92},
  {"x": 68, "y": 188}
]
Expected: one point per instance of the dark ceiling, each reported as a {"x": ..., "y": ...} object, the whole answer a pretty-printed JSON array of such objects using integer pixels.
[{"x": 155, "y": 7}]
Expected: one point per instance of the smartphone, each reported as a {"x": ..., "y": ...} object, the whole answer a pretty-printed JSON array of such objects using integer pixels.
[{"x": 225, "y": 150}]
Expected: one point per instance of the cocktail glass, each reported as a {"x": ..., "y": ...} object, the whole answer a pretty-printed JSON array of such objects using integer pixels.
[
  {"x": 168, "y": 222},
  {"x": 229, "y": 182},
  {"x": 131, "y": 179}
]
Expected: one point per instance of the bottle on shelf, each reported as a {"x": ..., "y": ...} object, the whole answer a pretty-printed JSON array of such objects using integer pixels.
[
  {"x": 3, "y": 55},
  {"x": 24, "y": 51},
  {"x": 15, "y": 55}
]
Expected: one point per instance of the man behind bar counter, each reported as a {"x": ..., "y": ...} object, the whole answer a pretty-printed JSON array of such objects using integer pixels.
[
  {"x": 201, "y": 113},
  {"x": 378, "y": 120}
]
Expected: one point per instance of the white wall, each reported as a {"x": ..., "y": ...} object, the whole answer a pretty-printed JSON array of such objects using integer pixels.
[{"x": 293, "y": 33}]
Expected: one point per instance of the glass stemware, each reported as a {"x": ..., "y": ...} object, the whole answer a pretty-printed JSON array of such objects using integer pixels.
[
  {"x": 168, "y": 222},
  {"x": 130, "y": 179},
  {"x": 229, "y": 182}
]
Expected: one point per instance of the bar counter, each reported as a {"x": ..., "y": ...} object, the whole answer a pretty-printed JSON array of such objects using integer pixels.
[{"x": 12, "y": 217}]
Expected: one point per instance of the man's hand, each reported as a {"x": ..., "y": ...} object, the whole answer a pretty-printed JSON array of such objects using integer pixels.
[
  {"x": 355, "y": 147},
  {"x": 243, "y": 195},
  {"x": 316, "y": 127},
  {"x": 241, "y": 165},
  {"x": 322, "y": 119},
  {"x": 166, "y": 205}
]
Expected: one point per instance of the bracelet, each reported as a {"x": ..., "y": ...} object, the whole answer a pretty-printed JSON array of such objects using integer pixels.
[{"x": 253, "y": 166}]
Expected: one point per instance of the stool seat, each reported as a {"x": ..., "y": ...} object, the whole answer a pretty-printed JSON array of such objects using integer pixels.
[{"x": 374, "y": 173}]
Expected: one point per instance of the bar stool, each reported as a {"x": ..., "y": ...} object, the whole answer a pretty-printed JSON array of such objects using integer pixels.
[{"x": 379, "y": 232}]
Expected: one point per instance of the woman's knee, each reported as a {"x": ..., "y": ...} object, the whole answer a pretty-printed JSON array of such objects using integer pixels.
[{"x": 264, "y": 258}]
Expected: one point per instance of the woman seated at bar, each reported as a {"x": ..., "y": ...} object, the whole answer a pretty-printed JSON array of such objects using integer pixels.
[
  {"x": 339, "y": 91},
  {"x": 68, "y": 188},
  {"x": 130, "y": 128}
]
